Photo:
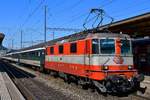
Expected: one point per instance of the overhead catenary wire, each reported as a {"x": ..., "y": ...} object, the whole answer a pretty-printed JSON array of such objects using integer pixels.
[
  {"x": 75, "y": 5},
  {"x": 33, "y": 12},
  {"x": 29, "y": 16},
  {"x": 128, "y": 7},
  {"x": 64, "y": 29},
  {"x": 107, "y": 3},
  {"x": 103, "y": 4},
  {"x": 80, "y": 16},
  {"x": 71, "y": 7},
  {"x": 131, "y": 12}
]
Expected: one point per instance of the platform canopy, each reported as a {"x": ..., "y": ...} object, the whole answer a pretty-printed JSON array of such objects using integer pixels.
[
  {"x": 137, "y": 26},
  {"x": 1, "y": 38}
]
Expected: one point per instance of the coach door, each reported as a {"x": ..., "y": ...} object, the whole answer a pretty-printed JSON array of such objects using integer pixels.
[{"x": 42, "y": 58}]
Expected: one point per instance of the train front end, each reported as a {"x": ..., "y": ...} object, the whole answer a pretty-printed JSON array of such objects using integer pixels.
[{"x": 112, "y": 64}]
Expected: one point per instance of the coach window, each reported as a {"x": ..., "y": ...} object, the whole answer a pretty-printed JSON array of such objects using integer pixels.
[
  {"x": 73, "y": 48},
  {"x": 61, "y": 49},
  {"x": 51, "y": 50},
  {"x": 95, "y": 46},
  {"x": 39, "y": 53}
]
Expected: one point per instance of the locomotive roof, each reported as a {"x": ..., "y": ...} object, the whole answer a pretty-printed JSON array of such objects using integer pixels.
[
  {"x": 23, "y": 51},
  {"x": 74, "y": 37}
]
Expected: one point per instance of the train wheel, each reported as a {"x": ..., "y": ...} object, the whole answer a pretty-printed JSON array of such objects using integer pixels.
[
  {"x": 41, "y": 69},
  {"x": 54, "y": 74},
  {"x": 85, "y": 86},
  {"x": 68, "y": 79}
]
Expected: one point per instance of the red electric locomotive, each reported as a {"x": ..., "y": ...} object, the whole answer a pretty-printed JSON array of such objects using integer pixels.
[{"x": 103, "y": 60}]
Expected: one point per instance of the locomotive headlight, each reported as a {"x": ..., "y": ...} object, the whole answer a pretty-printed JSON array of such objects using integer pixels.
[
  {"x": 130, "y": 67},
  {"x": 105, "y": 67}
]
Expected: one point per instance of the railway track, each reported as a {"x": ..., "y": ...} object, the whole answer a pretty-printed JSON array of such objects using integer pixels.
[
  {"x": 29, "y": 87},
  {"x": 28, "y": 95},
  {"x": 74, "y": 90}
]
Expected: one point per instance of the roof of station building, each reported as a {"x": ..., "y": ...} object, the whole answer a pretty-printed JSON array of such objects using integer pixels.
[{"x": 135, "y": 26}]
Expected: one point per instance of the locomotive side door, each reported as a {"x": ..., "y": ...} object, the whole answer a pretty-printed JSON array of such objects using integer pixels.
[{"x": 87, "y": 58}]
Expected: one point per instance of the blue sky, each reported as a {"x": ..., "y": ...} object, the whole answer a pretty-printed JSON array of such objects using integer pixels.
[{"x": 29, "y": 16}]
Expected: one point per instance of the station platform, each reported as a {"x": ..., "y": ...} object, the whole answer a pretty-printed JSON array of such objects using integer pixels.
[
  {"x": 145, "y": 83},
  {"x": 8, "y": 90}
]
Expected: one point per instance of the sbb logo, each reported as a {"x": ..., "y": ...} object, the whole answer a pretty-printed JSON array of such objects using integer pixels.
[{"x": 118, "y": 60}]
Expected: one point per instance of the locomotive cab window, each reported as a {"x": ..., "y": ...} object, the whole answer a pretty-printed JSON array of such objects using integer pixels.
[
  {"x": 61, "y": 49},
  {"x": 51, "y": 50},
  {"x": 95, "y": 46},
  {"x": 125, "y": 47},
  {"x": 73, "y": 48},
  {"x": 107, "y": 46}
]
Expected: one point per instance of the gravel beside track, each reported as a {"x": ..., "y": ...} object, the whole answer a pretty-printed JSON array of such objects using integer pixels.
[{"x": 72, "y": 91}]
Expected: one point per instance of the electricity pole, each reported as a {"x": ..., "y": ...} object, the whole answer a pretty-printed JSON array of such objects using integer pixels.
[
  {"x": 12, "y": 45},
  {"x": 45, "y": 20},
  {"x": 53, "y": 35},
  {"x": 21, "y": 39}
]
